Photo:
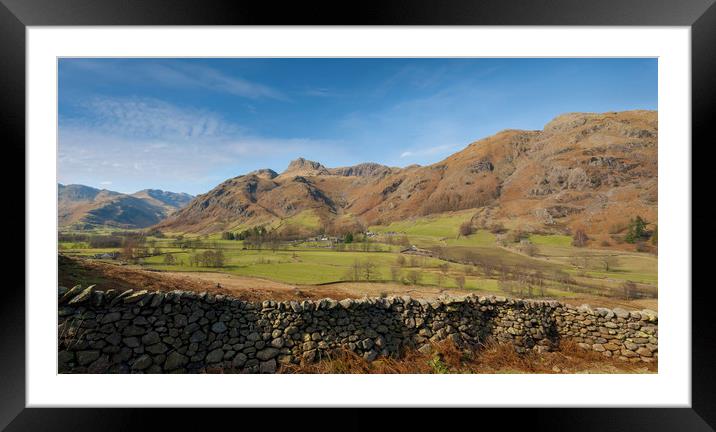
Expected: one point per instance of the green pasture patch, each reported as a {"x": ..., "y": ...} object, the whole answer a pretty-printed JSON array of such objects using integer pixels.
[
  {"x": 72, "y": 245},
  {"x": 479, "y": 238},
  {"x": 645, "y": 278},
  {"x": 440, "y": 225},
  {"x": 497, "y": 256},
  {"x": 551, "y": 239},
  {"x": 307, "y": 219},
  {"x": 88, "y": 252}
]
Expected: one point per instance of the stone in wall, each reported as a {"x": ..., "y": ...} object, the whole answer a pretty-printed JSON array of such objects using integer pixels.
[
  {"x": 185, "y": 332},
  {"x": 631, "y": 336}
]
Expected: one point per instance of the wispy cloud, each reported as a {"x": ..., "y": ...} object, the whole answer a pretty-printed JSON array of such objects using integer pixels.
[
  {"x": 430, "y": 151},
  {"x": 149, "y": 118},
  {"x": 181, "y": 75},
  {"x": 419, "y": 78},
  {"x": 151, "y": 142},
  {"x": 321, "y": 92},
  {"x": 212, "y": 79}
]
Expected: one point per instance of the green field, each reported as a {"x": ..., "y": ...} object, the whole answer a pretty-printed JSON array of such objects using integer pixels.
[
  {"x": 480, "y": 258},
  {"x": 551, "y": 240},
  {"x": 440, "y": 226}
]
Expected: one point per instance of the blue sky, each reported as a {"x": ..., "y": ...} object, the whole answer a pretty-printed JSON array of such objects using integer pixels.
[{"x": 186, "y": 125}]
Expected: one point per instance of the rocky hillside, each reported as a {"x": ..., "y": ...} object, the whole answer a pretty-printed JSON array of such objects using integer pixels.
[
  {"x": 583, "y": 170},
  {"x": 81, "y": 205}
]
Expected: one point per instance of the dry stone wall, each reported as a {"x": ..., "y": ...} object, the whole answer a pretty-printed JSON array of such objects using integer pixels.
[{"x": 186, "y": 332}]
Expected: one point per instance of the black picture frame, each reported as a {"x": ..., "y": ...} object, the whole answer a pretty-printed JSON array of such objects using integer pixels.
[{"x": 16, "y": 15}]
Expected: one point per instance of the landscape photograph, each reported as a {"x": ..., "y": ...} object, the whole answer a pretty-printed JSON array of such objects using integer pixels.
[{"x": 357, "y": 215}]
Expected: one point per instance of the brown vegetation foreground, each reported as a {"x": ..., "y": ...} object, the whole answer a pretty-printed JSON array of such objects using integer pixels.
[
  {"x": 77, "y": 271},
  {"x": 493, "y": 358}
]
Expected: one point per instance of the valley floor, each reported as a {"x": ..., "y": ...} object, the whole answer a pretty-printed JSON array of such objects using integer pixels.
[
  {"x": 73, "y": 271},
  {"x": 422, "y": 257}
]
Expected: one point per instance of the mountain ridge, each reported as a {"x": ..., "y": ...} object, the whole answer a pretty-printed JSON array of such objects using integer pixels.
[
  {"x": 85, "y": 205},
  {"x": 582, "y": 170}
]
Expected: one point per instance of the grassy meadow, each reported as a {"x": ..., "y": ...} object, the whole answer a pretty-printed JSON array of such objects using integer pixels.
[{"x": 482, "y": 261}]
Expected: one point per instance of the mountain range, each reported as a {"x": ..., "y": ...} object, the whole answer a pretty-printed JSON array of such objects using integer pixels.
[
  {"x": 582, "y": 170},
  {"x": 85, "y": 206}
]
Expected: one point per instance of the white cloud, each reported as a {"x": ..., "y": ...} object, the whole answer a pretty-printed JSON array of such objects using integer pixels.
[
  {"x": 212, "y": 79},
  {"x": 321, "y": 92},
  {"x": 431, "y": 151},
  {"x": 148, "y": 118},
  {"x": 149, "y": 143},
  {"x": 179, "y": 74}
]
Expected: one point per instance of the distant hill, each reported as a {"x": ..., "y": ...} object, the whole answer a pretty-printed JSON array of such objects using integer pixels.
[
  {"x": 171, "y": 201},
  {"x": 583, "y": 170},
  {"x": 84, "y": 205}
]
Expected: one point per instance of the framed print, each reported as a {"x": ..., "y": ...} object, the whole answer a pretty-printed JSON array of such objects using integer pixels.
[{"x": 394, "y": 210}]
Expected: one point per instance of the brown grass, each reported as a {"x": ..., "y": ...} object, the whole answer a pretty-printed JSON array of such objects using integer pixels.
[
  {"x": 74, "y": 270},
  {"x": 492, "y": 358}
]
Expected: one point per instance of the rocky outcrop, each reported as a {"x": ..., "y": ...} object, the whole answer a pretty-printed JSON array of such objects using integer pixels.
[
  {"x": 185, "y": 332},
  {"x": 369, "y": 169},
  {"x": 304, "y": 167},
  {"x": 265, "y": 173},
  {"x": 483, "y": 165}
]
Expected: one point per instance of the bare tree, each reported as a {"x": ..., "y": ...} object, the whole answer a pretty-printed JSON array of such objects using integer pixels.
[
  {"x": 471, "y": 257},
  {"x": 609, "y": 262},
  {"x": 366, "y": 244},
  {"x": 538, "y": 281},
  {"x": 369, "y": 269},
  {"x": 219, "y": 258},
  {"x": 400, "y": 260},
  {"x": 580, "y": 238},
  {"x": 629, "y": 290},
  {"x": 356, "y": 270},
  {"x": 128, "y": 249},
  {"x": 275, "y": 243},
  {"x": 460, "y": 281},
  {"x": 395, "y": 274},
  {"x": 444, "y": 268},
  {"x": 582, "y": 261},
  {"x": 488, "y": 268},
  {"x": 414, "y": 277},
  {"x": 530, "y": 249},
  {"x": 505, "y": 286},
  {"x": 466, "y": 229}
]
